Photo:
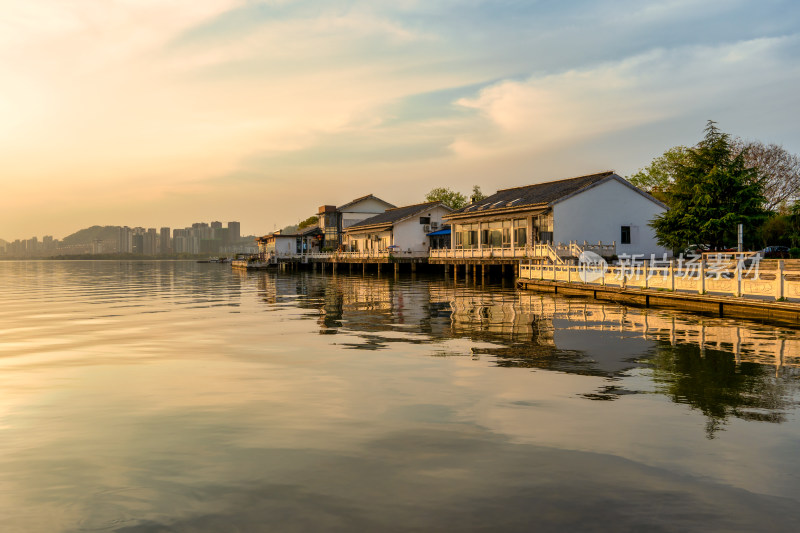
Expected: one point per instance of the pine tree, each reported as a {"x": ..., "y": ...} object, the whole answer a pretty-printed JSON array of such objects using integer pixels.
[{"x": 713, "y": 192}]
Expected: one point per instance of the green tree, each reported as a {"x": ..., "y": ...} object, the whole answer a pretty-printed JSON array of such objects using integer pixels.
[
  {"x": 477, "y": 195},
  {"x": 713, "y": 191},
  {"x": 657, "y": 178},
  {"x": 310, "y": 221},
  {"x": 450, "y": 198}
]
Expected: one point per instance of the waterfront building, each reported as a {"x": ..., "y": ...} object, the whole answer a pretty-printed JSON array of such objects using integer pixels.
[
  {"x": 598, "y": 208},
  {"x": 308, "y": 240},
  {"x": 401, "y": 230},
  {"x": 334, "y": 220}
]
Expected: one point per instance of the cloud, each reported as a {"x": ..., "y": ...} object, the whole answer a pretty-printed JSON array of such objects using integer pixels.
[{"x": 542, "y": 112}]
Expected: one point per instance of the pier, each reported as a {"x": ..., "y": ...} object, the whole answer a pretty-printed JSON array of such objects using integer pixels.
[{"x": 762, "y": 294}]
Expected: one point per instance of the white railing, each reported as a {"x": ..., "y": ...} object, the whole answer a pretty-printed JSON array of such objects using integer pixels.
[
  {"x": 697, "y": 278},
  {"x": 537, "y": 251},
  {"x": 556, "y": 253},
  {"x": 368, "y": 254}
]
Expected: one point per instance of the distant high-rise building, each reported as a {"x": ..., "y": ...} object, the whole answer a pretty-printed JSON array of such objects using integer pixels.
[
  {"x": 137, "y": 243},
  {"x": 124, "y": 242},
  {"x": 234, "y": 232},
  {"x": 179, "y": 244},
  {"x": 216, "y": 225},
  {"x": 163, "y": 241},
  {"x": 149, "y": 242}
]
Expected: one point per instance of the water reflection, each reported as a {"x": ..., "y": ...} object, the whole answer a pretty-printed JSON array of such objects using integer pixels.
[
  {"x": 152, "y": 397},
  {"x": 723, "y": 368}
]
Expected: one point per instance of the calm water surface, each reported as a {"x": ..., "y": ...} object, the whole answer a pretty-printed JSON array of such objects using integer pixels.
[{"x": 175, "y": 396}]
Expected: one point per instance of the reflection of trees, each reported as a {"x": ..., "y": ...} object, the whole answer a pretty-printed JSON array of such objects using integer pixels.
[
  {"x": 711, "y": 381},
  {"x": 702, "y": 362}
]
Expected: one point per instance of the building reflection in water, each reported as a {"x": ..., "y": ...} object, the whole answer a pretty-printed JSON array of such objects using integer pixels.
[{"x": 722, "y": 367}]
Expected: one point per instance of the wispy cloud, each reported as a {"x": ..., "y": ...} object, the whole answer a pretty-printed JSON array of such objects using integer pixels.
[{"x": 165, "y": 101}]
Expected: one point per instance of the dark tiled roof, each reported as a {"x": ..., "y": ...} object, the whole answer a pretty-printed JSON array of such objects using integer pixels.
[
  {"x": 351, "y": 202},
  {"x": 391, "y": 216},
  {"x": 538, "y": 194}
]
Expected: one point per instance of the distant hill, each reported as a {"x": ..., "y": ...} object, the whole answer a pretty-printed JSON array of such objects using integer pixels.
[{"x": 87, "y": 235}]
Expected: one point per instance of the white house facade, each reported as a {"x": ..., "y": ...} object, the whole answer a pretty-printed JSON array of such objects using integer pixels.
[
  {"x": 610, "y": 210},
  {"x": 402, "y": 230},
  {"x": 533, "y": 221},
  {"x": 334, "y": 220}
]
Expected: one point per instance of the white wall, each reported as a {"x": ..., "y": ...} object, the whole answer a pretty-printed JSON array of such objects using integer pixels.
[
  {"x": 286, "y": 245},
  {"x": 599, "y": 213},
  {"x": 410, "y": 234},
  {"x": 369, "y": 205},
  {"x": 365, "y": 240},
  {"x": 362, "y": 211}
]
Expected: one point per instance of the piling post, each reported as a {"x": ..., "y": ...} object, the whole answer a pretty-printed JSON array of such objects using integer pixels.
[
  {"x": 672, "y": 274},
  {"x": 413, "y": 266},
  {"x": 779, "y": 281},
  {"x": 646, "y": 274},
  {"x": 738, "y": 278},
  {"x": 702, "y": 288}
]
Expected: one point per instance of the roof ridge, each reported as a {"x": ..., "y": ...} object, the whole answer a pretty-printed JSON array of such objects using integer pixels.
[
  {"x": 414, "y": 205},
  {"x": 604, "y": 173}
]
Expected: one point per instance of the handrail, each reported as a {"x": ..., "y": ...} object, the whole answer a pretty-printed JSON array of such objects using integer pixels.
[{"x": 740, "y": 279}]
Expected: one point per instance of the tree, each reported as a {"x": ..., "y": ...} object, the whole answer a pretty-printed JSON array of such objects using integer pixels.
[
  {"x": 658, "y": 177},
  {"x": 712, "y": 192},
  {"x": 778, "y": 170},
  {"x": 450, "y": 198},
  {"x": 477, "y": 195},
  {"x": 310, "y": 221}
]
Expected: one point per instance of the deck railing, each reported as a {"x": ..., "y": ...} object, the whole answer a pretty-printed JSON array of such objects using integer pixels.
[
  {"x": 743, "y": 279},
  {"x": 367, "y": 254},
  {"x": 555, "y": 253}
]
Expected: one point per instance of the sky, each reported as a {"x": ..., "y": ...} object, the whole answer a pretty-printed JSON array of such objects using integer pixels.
[{"x": 166, "y": 112}]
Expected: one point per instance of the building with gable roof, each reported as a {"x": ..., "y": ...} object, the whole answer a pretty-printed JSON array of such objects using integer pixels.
[
  {"x": 602, "y": 209},
  {"x": 402, "y": 231},
  {"x": 334, "y": 220}
]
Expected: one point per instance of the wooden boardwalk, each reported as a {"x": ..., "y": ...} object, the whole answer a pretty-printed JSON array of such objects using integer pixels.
[{"x": 787, "y": 313}]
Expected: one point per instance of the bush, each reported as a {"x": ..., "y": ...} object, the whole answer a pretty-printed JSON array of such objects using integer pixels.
[{"x": 794, "y": 253}]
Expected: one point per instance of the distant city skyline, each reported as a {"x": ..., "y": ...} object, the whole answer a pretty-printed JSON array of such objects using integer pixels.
[
  {"x": 198, "y": 238},
  {"x": 154, "y": 113}
]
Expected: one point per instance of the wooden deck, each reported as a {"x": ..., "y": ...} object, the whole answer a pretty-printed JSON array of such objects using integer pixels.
[{"x": 787, "y": 313}]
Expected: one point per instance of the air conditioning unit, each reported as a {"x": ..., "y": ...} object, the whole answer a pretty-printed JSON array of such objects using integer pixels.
[{"x": 426, "y": 228}]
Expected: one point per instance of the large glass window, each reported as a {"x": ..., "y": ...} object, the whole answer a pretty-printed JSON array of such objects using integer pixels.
[
  {"x": 543, "y": 227},
  {"x": 492, "y": 235},
  {"x": 520, "y": 232},
  {"x": 466, "y": 236}
]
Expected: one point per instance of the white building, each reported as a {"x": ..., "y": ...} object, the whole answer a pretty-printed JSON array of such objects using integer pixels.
[
  {"x": 596, "y": 208},
  {"x": 280, "y": 244},
  {"x": 401, "y": 230},
  {"x": 334, "y": 220}
]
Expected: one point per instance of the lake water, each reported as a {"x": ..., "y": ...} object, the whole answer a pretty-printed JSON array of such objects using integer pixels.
[{"x": 175, "y": 396}]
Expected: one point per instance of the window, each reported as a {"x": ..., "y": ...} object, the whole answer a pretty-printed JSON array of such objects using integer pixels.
[
  {"x": 424, "y": 220},
  {"x": 625, "y": 237}
]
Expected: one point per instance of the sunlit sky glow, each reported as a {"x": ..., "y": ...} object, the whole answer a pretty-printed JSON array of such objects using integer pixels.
[{"x": 167, "y": 112}]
